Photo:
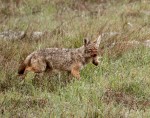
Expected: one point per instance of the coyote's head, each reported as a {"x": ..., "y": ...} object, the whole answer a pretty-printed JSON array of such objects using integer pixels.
[{"x": 91, "y": 49}]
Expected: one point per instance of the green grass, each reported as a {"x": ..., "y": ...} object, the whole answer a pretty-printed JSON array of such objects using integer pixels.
[{"x": 118, "y": 87}]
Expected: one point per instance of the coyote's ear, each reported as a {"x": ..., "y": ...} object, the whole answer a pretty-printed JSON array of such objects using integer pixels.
[
  {"x": 98, "y": 41},
  {"x": 86, "y": 42}
]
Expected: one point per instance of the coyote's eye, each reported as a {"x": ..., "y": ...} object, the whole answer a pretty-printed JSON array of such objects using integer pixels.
[
  {"x": 93, "y": 52},
  {"x": 90, "y": 50}
]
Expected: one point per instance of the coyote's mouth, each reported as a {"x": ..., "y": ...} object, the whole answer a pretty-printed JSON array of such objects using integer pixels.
[{"x": 95, "y": 63}]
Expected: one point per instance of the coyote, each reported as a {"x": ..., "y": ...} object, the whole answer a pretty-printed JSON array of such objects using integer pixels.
[{"x": 70, "y": 60}]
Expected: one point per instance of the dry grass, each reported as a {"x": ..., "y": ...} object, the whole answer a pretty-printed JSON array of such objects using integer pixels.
[{"x": 119, "y": 87}]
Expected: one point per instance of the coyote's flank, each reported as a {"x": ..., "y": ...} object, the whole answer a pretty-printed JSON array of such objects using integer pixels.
[{"x": 70, "y": 60}]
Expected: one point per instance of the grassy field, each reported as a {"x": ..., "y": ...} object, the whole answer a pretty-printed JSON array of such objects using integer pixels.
[{"x": 118, "y": 88}]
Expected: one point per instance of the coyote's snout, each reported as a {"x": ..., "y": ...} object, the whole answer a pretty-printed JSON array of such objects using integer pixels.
[{"x": 70, "y": 60}]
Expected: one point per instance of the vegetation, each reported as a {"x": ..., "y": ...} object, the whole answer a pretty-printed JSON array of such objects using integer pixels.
[{"x": 117, "y": 88}]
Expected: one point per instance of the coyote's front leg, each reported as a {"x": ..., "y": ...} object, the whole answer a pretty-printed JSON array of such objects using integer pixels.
[
  {"x": 75, "y": 73},
  {"x": 75, "y": 70}
]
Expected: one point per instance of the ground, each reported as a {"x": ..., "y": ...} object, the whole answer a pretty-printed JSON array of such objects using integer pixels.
[{"x": 118, "y": 88}]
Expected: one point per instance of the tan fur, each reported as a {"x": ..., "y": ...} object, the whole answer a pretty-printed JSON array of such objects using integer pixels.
[
  {"x": 75, "y": 70},
  {"x": 71, "y": 60}
]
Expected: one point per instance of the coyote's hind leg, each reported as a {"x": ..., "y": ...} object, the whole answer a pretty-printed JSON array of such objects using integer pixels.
[{"x": 37, "y": 65}]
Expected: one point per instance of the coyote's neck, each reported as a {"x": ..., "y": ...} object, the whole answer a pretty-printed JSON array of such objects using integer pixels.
[
  {"x": 80, "y": 50},
  {"x": 81, "y": 54}
]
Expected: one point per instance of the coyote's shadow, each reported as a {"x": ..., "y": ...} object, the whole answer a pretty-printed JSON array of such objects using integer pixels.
[
  {"x": 52, "y": 82},
  {"x": 49, "y": 83}
]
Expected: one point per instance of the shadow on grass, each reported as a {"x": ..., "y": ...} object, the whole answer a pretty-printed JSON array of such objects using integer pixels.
[{"x": 34, "y": 83}]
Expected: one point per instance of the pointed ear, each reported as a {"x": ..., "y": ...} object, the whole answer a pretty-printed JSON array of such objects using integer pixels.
[
  {"x": 98, "y": 41},
  {"x": 86, "y": 41}
]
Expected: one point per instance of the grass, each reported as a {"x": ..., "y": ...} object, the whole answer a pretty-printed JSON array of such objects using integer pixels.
[{"x": 118, "y": 87}]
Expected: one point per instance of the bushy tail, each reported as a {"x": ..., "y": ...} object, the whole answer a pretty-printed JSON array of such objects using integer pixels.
[{"x": 23, "y": 66}]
